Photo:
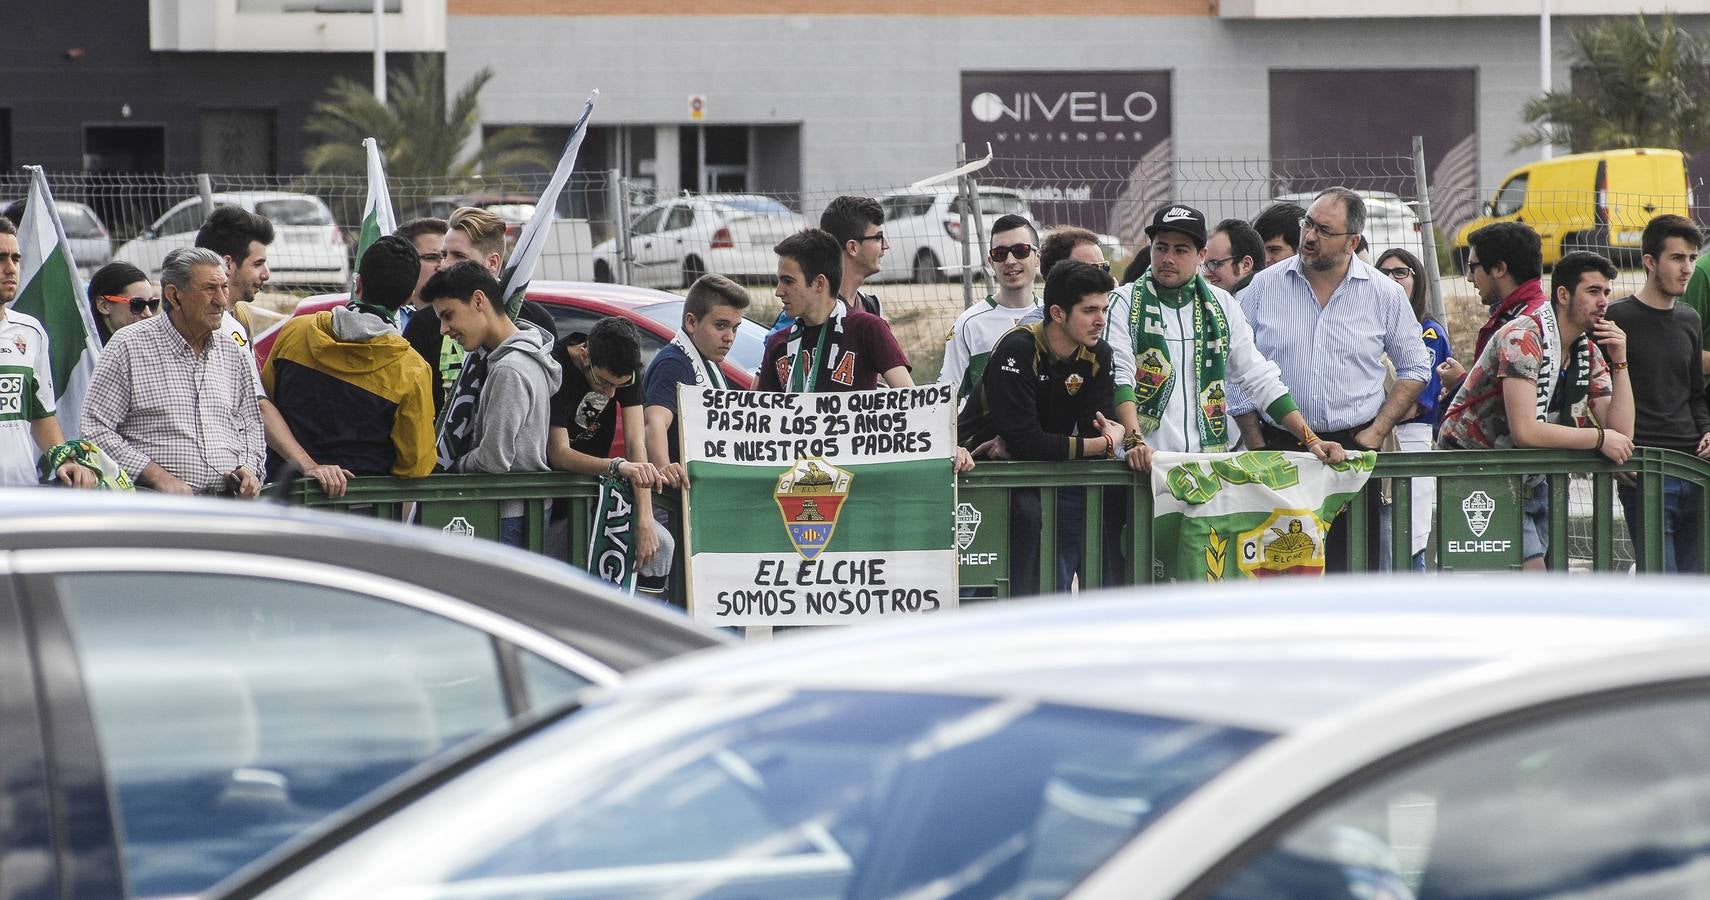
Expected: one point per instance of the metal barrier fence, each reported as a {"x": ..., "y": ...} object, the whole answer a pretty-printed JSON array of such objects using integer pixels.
[{"x": 469, "y": 505}]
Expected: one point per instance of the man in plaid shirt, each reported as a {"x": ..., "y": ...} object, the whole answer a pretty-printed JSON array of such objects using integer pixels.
[{"x": 175, "y": 408}]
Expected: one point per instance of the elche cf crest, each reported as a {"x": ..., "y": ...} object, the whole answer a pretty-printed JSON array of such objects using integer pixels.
[{"x": 810, "y": 495}]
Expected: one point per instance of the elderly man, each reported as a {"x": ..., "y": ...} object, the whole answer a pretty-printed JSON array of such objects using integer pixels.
[
  {"x": 173, "y": 403},
  {"x": 1327, "y": 319}
]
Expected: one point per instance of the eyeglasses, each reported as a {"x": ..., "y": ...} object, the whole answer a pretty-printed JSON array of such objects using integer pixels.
[
  {"x": 1019, "y": 251},
  {"x": 1475, "y": 264},
  {"x": 880, "y": 237},
  {"x": 433, "y": 258},
  {"x": 1218, "y": 263},
  {"x": 1398, "y": 272},
  {"x": 1307, "y": 224},
  {"x": 138, "y": 304}
]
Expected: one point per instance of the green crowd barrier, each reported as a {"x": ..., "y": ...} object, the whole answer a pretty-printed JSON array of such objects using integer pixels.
[{"x": 1476, "y": 525}]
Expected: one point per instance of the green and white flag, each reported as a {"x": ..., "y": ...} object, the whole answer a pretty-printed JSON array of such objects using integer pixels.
[
  {"x": 1248, "y": 515},
  {"x": 611, "y": 546},
  {"x": 52, "y": 292},
  {"x": 819, "y": 509},
  {"x": 377, "y": 216},
  {"x": 513, "y": 283}
]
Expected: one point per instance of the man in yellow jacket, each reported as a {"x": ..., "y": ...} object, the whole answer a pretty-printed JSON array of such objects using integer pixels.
[{"x": 349, "y": 385}]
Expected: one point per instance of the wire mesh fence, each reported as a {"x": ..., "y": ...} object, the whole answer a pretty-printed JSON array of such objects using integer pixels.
[{"x": 937, "y": 235}]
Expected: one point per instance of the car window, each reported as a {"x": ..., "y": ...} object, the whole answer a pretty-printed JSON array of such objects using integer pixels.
[
  {"x": 295, "y": 211},
  {"x": 794, "y": 794},
  {"x": 1611, "y": 803},
  {"x": 548, "y": 684},
  {"x": 649, "y": 221},
  {"x": 186, "y": 220},
  {"x": 570, "y": 320},
  {"x": 79, "y": 222},
  {"x": 1512, "y": 197},
  {"x": 763, "y": 206},
  {"x": 233, "y": 712},
  {"x": 681, "y": 217},
  {"x": 905, "y": 207},
  {"x": 746, "y": 351}
]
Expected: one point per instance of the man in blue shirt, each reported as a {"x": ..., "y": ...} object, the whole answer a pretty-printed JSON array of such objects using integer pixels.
[{"x": 1327, "y": 319}]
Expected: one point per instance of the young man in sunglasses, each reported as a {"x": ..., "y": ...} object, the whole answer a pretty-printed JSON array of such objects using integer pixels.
[{"x": 977, "y": 330}]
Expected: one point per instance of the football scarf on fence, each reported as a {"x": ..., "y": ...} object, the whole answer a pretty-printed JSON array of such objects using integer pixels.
[
  {"x": 819, "y": 509},
  {"x": 1155, "y": 371},
  {"x": 1248, "y": 515},
  {"x": 457, "y": 431},
  {"x": 611, "y": 546},
  {"x": 108, "y": 475}
]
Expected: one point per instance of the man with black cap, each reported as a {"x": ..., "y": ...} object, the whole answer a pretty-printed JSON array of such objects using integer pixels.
[{"x": 1179, "y": 342}]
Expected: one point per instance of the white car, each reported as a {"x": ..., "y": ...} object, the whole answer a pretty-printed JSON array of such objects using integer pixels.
[
  {"x": 677, "y": 241},
  {"x": 1297, "y": 739},
  {"x": 924, "y": 227},
  {"x": 1390, "y": 221},
  {"x": 308, "y": 249}
]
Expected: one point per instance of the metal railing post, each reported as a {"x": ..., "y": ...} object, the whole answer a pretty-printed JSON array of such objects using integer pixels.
[
  {"x": 1428, "y": 233},
  {"x": 964, "y": 188},
  {"x": 205, "y": 187},
  {"x": 625, "y": 256}
]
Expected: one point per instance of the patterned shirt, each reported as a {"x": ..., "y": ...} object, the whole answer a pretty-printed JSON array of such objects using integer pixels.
[
  {"x": 154, "y": 399},
  {"x": 1478, "y": 418},
  {"x": 26, "y": 395}
]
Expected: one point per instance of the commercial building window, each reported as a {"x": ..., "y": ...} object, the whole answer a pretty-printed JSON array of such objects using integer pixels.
[{"x": 239, "y": 141}]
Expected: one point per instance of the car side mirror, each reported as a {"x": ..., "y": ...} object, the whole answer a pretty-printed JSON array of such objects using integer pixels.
[
  {"x": 1490, "y": 208},
  {"x": 149, "y": 234}
]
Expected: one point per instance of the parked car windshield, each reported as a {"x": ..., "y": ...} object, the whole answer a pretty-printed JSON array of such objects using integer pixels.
[
  {"x": 746, "y": 352},
  {"x": 294, "y": 211},
  {"x": 763, "y": 206},
  {"x": 791, "y": 794}
]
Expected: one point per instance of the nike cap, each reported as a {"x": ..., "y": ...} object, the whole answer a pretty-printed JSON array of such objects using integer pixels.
[{"x": 1176, "y": 217}]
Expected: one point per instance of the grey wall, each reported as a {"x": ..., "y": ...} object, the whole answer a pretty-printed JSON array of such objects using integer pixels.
[{"x": 878, "y": 96}]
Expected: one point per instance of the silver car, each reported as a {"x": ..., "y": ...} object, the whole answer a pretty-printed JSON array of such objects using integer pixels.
[
  {"x": 186, "y": 684},
  {"x": 1300, "y": 739}
]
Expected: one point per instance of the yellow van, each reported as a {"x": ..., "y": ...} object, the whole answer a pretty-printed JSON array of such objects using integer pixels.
[{"x": 1588, "y": 201}]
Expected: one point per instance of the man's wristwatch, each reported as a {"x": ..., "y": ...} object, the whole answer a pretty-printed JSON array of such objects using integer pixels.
[{"x": 613, "y": 466}]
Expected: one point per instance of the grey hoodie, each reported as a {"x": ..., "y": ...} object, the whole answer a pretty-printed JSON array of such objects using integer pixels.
[{"x": 511, "y": 416}]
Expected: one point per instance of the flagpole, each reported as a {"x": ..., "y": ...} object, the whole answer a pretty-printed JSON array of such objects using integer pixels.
[{"x": 379, "y": 52}]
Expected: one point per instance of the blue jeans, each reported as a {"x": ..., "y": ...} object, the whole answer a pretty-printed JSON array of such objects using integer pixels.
[
  {"x": 511, "y": 530},
  {"x": 1680, "y": 523}
]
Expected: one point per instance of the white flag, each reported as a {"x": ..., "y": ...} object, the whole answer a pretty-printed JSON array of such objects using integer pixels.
[{"x": 514, "y": 283}]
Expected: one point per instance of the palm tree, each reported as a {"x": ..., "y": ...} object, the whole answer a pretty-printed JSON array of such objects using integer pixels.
[
  {"x": 419, "y": 133},
  {"x": 1637, "y": 84}
]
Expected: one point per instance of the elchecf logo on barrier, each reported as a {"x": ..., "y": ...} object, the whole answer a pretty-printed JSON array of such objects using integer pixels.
[
  {"x": 1477, "y": 507},
  {"x": 810, "y": 495}
]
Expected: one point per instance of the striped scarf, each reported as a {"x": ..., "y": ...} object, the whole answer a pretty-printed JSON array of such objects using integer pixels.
[
  {"x": 707, "y": 372},
  {"x": 805, "y": 363}
]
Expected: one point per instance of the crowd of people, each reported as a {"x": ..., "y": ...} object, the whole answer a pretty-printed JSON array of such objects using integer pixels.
[{"x": 1277, "y": 334}]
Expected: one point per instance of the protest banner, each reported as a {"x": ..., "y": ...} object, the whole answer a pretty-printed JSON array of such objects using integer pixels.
[
  {"x": 1248, "y": 515},
  {"x": 819, "y": 509}
]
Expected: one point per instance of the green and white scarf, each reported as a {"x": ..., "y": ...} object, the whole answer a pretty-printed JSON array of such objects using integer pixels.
[
  {"x": 806, "y": 361},
  {"x": 1575, "y": 383},
  {"x": 707, "y": 372},
  {"x": 1155, "y": 372}
]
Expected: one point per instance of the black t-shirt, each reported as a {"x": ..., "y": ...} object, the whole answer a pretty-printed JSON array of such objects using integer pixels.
[
  {"x": 589, "y": 416},
  {"x": 1667, "y": 373}
]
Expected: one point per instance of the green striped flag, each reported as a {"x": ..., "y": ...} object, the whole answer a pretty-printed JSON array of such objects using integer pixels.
[
  {"x": 377, "y": 216},
  {"x": 1248, "y": 515},
  {"x": 53, "y": 293},
  {"x": 513, "y": 283},
  {"x": 818, "y": 509}
]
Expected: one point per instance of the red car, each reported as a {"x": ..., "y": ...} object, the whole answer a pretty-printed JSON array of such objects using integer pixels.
[{"x": 576, "y": 306}]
